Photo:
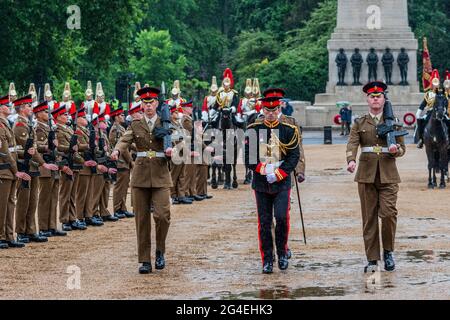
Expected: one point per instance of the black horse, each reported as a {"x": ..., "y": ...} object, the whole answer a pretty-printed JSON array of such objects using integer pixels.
[
  {"x": 436, "y": 142},
  {"x": 227, "y": 132}
]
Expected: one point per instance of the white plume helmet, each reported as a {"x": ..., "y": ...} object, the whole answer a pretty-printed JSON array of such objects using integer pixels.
[
  {"x": 214, "y": 86},
  {"x": 67, "y": 93},
  {"x": 89, "y": 91},
  {"x": 12, "y": 90},
  {"x": 47, "y": 91},
  {"x": 32, "y": 91},
  {"x": 248, "y": 87},
  {"x": 256, "y": 89},
  {"x": 137, "y": 87},
  {"x": 176, "y": 88},
  {"x": 99, "y": 91}
]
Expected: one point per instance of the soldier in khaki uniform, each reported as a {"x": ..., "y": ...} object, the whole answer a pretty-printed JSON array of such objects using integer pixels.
[
  {"x": 27, "y": 198},
  {"x": 190, "y": 181},
  {"x": 377, "y": 178},
  {"x": 8, "y": 175},
  {"x": 85, "y": 175},
  {"x": 64, "y": 133},
  {"x": 123, "y": 167},
  {"x": 48, "y": 180},
  {"x": 179, "y": 159},
  {"x": 104, "y": 197},
  {"x": 150, "y": 181}
]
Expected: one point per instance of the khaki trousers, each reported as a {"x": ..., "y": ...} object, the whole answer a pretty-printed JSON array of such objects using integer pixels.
[
  {"x": 120, "y": 191},
  {"x": 378, "y": 201},
  {"x": 7, "y": 203},
  {"x": 48, "y": 203},
  {"x": 66, "y": 186},
  {"x": 178, "y": 174},
  {"x": 143, "y": 198},
  {"x": 82, "y": 196},
  {"x": 27, "y": 200}
]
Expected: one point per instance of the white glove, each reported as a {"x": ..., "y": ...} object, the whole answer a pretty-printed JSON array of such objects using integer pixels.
[
  {"x": 270, "y": 168},
  {"x": 271, "y": 178}
]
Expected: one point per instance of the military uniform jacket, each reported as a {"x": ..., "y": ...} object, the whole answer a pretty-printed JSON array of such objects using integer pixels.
[
  {"x": 125, "y": 159},
  {"x": 147, "y": 172},
  {"x": 42, "y": 131},
  {"x": 83, "y": 145},
  {"x": 21, "y": 134},
  {"x": 301, "y": 165},
  {"x": 287, "y": 134},
  {"x": 64, "y": 135},
  {"x": 7, "y": 141},
  {"x": 364, "y": 134}
]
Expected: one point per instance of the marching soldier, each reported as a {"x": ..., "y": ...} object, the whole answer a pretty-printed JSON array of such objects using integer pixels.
[
  {"x": 123, "y": 167},
  {"x": 272, "y": 166},
  {"x": 151, "y": 181},
  {"x": 8, "y": 175},
  {"x": 377, "y": 178},
  {"x": 64, "y": 133},
  {"x": 426, "y": 106},
  {"x": 27, "y": 193},
  {"x": 48, "y": 181},
  {"x": 48, "y": 94}
]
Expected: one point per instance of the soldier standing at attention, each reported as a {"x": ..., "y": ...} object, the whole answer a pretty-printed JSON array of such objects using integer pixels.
[
  {"x": 150, "y": 181},
  {"x": 123, "y": 167},
  {"x": 27, "y": 195},
  {"x": 377, "y": 178},
  {"x": 8, "y": 176}
]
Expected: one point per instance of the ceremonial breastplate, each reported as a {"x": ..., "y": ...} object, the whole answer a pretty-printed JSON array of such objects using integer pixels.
[
  {"x": 211, "y": 101},
  {"x": 89, "y": 107},
  {"x": 102, "y": 107},
  {"x": 51, "y": 105},
  {"x": 429, "y": 98},
  {"x": 226, "y": 99}
]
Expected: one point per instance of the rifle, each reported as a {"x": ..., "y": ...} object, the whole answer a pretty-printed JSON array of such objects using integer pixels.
[
  {"x": 51, "y": 156},
  {"x": 24, "y": 166},
  {"x": 91, "y": 154},
  {"x": 388, "y": 129},
  {"x": 104, "y": 159},
  {"x": 69, "y": 157},
  {"x": 164, "y": 114}
]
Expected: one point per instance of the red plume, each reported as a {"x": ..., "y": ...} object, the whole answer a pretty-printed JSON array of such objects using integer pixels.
[
  {"x": 228, "y": 74},
  {"x": 435, "y": 75}
]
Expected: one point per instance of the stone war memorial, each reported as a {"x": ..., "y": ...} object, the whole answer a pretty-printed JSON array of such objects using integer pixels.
[{"x": 372, "y": 41}]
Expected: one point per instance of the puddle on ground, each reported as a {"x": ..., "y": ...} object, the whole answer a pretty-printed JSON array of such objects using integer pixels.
[
  {"x": 425, "y": 219},
  {"x": 286, "y": 293},
  {"x": 420, "y": 256},
  {"x": 413, "y": 237},
  {"x": 328, "y": 265}
]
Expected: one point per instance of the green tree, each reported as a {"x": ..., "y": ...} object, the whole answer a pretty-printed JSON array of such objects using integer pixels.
[{"x": 155, "y": 60}]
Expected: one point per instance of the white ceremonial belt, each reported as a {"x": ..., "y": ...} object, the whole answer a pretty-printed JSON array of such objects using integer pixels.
[
  {"x": 374, "y": 150},
  {"x": 150, "y": 154},
  {"x": 14, "y": 149}
]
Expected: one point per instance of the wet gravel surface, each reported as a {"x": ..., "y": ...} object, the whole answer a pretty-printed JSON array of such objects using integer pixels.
[{"x": 212, "y": 250}]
